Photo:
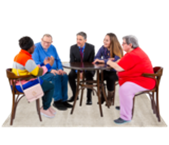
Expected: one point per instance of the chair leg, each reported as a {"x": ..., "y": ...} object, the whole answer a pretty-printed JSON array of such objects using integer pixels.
[
  {"x": 158, "y": 110},
  {"x": 81, "y": 98},
  {"x": 16, "y": 104},
  {"x": 133, "y": 107},
  {"x": 38, "y": 109},
  {"x": 152, "y": 102},
  {"x": 13, "y": 110}
]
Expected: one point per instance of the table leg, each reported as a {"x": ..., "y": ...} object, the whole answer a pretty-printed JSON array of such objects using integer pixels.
[
  {"x": 81, "y": 98},
  {"x": 98, "y": 93},
  {"x": 77, "y": 90},
  {"x": 103, "y": 89}
]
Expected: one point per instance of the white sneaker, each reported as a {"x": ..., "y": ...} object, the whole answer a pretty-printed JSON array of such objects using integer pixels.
[{"x": 47, "y": 115}]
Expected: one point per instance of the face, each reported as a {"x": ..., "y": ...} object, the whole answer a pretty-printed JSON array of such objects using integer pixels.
[
  {"x": 46, "y": 42},
  {"x": 80, "y": 41},
  {"x": 126, "y": 47},
  {"x": 106, "y": 41}
]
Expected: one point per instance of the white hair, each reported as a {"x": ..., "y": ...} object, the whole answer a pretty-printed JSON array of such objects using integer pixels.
[{"x": 131, "y": 38}]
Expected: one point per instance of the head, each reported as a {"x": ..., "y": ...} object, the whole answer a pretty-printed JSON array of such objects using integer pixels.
[
  {"x": 130, "y": 42},
  {"x": 26, "y": 43},
  {"x": 46, "y": 41},
  {"x": 81, "y": 39},
  {"x": 111, "y": 42}
]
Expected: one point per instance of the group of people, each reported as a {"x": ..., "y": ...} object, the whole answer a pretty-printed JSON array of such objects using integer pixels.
[{"x": 42, "y": 60}]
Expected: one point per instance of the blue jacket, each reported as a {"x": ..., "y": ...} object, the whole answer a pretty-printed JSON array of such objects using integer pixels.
[
  {"x": 40, "y": 54},
  {"x": 104, "y": 54}
]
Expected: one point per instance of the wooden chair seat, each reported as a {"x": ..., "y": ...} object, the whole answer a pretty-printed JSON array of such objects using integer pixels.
[{"x": 12, "y": 79}]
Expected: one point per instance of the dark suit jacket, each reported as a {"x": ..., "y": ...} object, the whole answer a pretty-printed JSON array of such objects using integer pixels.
[{"x": 89, "y": 53}]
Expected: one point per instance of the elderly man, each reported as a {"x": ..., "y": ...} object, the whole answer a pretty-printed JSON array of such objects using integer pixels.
[
  {"x": 81, "y": 52},
  {"x": 57, "y": 76}
]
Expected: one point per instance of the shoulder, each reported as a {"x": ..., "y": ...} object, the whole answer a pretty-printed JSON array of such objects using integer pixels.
[
  {"x": 37, "y": 44},
  {"x": 73, "y": 46},
  {"x": 91, "y": 46}
]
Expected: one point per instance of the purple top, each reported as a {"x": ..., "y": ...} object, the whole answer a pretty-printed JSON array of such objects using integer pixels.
[{"x": 104, "y": 54}]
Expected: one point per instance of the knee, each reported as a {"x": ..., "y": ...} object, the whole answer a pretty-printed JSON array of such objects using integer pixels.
[
  {"x": 65, "y": 77},
  {"x": 57, "y": 77}
]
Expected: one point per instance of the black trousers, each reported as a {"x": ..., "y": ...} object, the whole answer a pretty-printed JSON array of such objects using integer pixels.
[
  {"x": 110, "y": 77},
  {"x": 73, "y": 75}
]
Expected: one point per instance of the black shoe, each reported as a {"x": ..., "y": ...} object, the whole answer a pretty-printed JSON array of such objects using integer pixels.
[
  {"x": 67, "y": 104},
  {"x": 89, "y": 101},
  {"x": 59, "y": 105},
  {"x": 117, "y": 107},
  {"x": 121, "y": 121},
  {"x": 72, "y": 99}
]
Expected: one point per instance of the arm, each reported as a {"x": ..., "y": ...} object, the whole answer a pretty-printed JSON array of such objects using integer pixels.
[
  {"x": 35, "y": 70},
  {"x": 71, "y": 56},
  {"x": 115, "y": 66}
]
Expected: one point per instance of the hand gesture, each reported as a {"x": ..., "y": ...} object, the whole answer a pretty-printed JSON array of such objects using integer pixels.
[
  {"x": 53, "y": 71},
  {"x": 46, "y": 61},
  {"x": 111, "y": 59},
  {"x": 51, "y": 60},
  {"x": 96, "y": 60}
]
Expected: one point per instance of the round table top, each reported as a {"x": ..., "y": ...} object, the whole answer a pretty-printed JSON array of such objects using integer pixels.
[{"x": 86, "y": 66}]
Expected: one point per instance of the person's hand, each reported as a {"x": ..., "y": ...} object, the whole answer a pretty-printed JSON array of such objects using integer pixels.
[
  {"x": 96, "y": 60},
  {"x": 62, "y": 72},
  {"x": 51, "y": 60},
  {"x": 53, "y": 71},
  {"x": 46, "y": 61},
  {"x": 111, "y": 59},
  {"x": 109, "y": 62}
]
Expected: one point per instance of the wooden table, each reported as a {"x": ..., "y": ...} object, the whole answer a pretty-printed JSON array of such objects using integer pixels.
[{"x": 81, "y": 85}]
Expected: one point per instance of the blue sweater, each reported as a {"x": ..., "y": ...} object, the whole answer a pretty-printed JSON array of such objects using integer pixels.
[
  {"x": 104, "y": 54},
  {"x": 40, "y": 54}
]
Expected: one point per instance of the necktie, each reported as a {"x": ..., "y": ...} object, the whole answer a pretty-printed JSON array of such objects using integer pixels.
[{"x": 81, "y": 54}]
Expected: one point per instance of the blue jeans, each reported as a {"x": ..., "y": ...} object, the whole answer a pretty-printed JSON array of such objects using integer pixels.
[{"x": 60, "y": 85}]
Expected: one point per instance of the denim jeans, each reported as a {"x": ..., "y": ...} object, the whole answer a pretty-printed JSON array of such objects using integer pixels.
[{"x": 60, "y": 85}]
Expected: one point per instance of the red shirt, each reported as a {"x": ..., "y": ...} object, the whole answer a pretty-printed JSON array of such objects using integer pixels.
[{"x": 135, "y": 63}]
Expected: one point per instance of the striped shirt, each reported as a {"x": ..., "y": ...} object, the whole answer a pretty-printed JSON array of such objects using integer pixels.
[{"x": 25, "y": 65}]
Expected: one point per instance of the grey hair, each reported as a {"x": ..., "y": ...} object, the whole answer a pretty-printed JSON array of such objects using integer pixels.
[
  {"x": 131, "y": 39},
  {"x": 83, "y": 34},
  {"x": 47, "y": 35}
]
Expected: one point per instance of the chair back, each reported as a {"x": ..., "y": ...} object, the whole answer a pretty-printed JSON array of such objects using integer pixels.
[
  {"x": 158, "y": 71},
  {"x": 13, "y": 79}
]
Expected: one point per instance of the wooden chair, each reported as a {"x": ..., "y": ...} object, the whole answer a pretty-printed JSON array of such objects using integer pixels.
[
  {"x": 154, "y": 98},
  {"x": 12, "y": 79}
]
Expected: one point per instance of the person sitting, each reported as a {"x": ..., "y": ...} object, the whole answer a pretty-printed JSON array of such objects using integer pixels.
[
  {"x": 81, "y": 52},
  {"x": 111, "y": 50},
  {"x": 57, "y": 76},
  {"x": 130, "y": 69},
  {"x": 25, "y": 65}
]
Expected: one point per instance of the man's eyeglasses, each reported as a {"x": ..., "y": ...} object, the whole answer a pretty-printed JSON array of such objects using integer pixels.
[{"x": 46, "y": 42}]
